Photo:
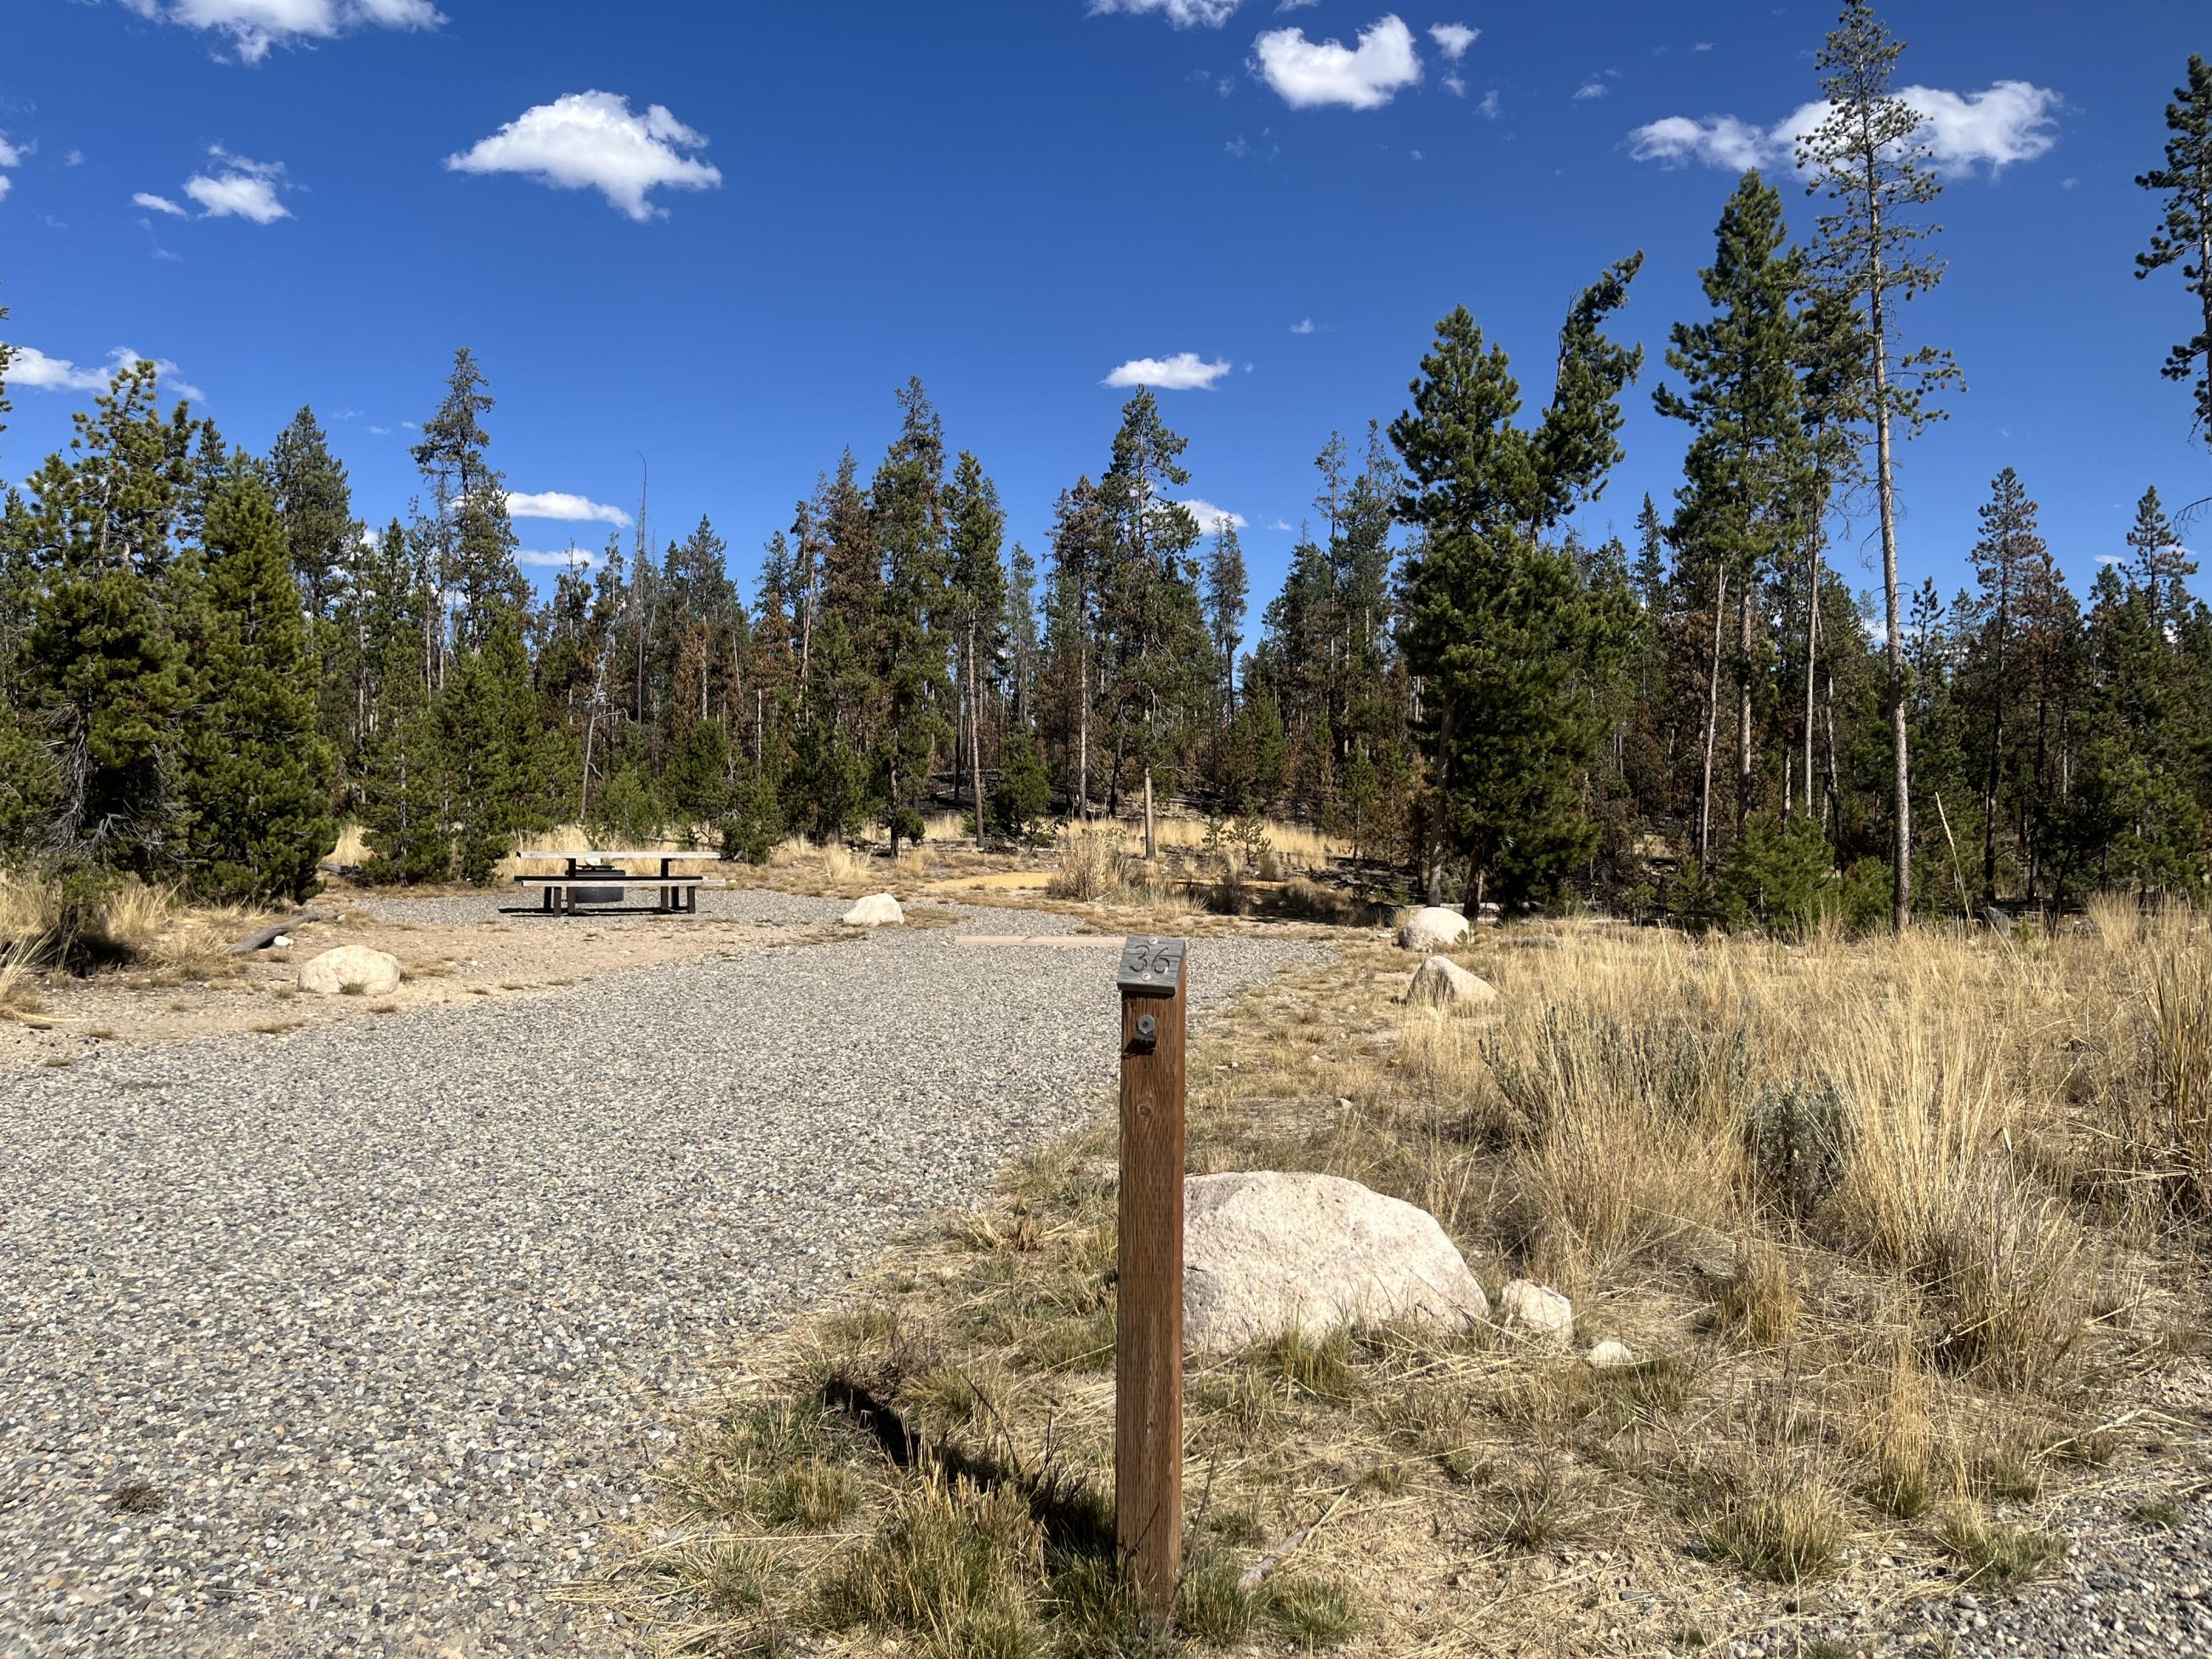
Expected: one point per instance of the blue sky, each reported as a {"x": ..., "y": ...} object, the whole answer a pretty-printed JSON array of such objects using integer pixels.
[{"x": 771, "y": 215}]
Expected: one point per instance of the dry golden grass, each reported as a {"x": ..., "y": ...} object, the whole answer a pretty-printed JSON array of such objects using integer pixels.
[
  {"x": 1899, "y": 1231},
  {"x": 352, "y": 847},
  {"x": 1296, "y": 846},
  {"x": 134, "y": 923},
  {"x": 19, "y": 985}
]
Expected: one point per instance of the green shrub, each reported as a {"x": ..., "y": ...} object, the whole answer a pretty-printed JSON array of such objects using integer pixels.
[{"x": 1776, "y": 874}]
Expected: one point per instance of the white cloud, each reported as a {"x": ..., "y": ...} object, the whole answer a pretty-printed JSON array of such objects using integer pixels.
[
  {"x": 1183, "y": 14},
  {"x": 560, "y": 504},
  {"x": 1304, "y": 325},
  {"x": 1454, "y": 86},
  {"x": 2009, "y": 121},
  {"x": 591, "y": 141},
  {"x": 1488, "y": 109},
  {"x": 31, "y": 367},
  {"x": 254, "y": 26},
  {"x": 1184, "y": 372},
  {"x": 1313, "y": 74},
  {"x": 1590, "y": 90},
  {"x": 146, "y": 199},
  {"x": 1211, "y": 518},
  {"x": 1453, "y": 39},
  {"x": 11, "y": 156},
  {"x": 1720, "y": 142},
  {"x": 73, "y": 158},
  {"x": 1703, "y": 46},
  {"x": 6, "y": 184},
  {"x": 238, "y": 187},
  {"x": 567, "y": 558}
]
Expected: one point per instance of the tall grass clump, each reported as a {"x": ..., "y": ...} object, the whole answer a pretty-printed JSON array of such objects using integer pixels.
[{"x": 1089, "y": 864}]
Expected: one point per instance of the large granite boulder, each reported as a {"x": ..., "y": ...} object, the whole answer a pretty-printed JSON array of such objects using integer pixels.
[
  {"x": 1432, "y": 927},
  {"x": 351, "y": 970},
  {"x": 1440, "y": 982},
  {"x": 1266, "y": 1253},
  {"x": 877, "y": 910}
]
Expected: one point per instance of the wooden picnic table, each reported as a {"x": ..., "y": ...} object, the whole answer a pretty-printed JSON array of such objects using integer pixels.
[
  {"x": 679, "y": 894},
  {"x": 610, "y": 855}
]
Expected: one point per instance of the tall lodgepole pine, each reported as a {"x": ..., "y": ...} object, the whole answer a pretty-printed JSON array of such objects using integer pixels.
[
  {"x": 1739, "y": 393},
  {"x": 2185, "y": 233},
  {"x": 1870, "y": 158},
  {"x": 978, "y": 603}
]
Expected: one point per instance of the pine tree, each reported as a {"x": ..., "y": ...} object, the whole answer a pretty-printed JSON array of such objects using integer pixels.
[
  {"x": 314, "y": 510},
  {"x": 403, "y": 812},
  {"x": 107, "y": 686},
  {"x": 1738, "y": 507},
  {"x": 1148, "y": 605},
  {"x": 1650, "y": 573},
  {"x": 2010, "y": 545},
  {"x": 1499, "y": 624},
  {"x": 908, "y": 495},
  {"x": 1022, "y": 643},
  {"x": 1225, "y": 589},
  {"x": 491, "y": 739},
  {"x": 2185, "y": 233},
  {"x": 978, "y": 600},
  {"x": 1868, "y": 157},
  {"x": 2162, "y": 564},
  {"x": 105, "y": 681},
  {"x": 258, "y": 771}
]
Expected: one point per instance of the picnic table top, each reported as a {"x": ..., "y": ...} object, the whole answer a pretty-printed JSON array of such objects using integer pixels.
[
  {"x": 613, "y": 878},
  {"x": 620, "y": 852}
]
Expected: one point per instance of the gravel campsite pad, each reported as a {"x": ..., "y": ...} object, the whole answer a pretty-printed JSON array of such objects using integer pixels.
[{"x": 359, "y": 1338}]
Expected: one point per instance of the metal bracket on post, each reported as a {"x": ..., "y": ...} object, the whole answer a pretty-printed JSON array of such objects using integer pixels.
[{"x": 1148, "y": 1344}]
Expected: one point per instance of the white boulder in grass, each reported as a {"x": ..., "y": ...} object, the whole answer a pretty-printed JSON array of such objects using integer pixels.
[
  {"x": 1432, "y": 927},
  {"x": 1537, "y": 1310},
  {"x": 1610, "y": 1356},
  {"x": 1440, "y": 982},
  {"x": 1266, "y": 1253},
  {"x": 877, "y": 910},
  {"x": 366, "y": 972}
]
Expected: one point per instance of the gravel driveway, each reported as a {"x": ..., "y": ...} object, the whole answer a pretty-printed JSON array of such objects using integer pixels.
[{"x": 355, "y": 1340}]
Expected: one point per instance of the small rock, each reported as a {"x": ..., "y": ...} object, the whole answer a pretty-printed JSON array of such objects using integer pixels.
[
  {"x": 1432, "y": 927},
  {"x": 370, "y": 973},
  {"x": 877, "y": 910},
  {"x": 1443, "y": 983},
  {"x": 1265, "y": 1252},
  {"x": 1609, "y": 1355},
  {"x": 1535, "y": 1310},
  {"x": 282, "y": 942}
]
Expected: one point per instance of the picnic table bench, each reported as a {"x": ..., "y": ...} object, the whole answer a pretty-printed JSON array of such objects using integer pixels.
[{"x": 678, "y": 894}]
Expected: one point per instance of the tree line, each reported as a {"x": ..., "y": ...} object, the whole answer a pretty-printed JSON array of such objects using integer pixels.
[{"x": 208, "y": 661}]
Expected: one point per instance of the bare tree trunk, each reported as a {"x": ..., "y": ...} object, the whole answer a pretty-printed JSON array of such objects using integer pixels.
[
  {"x": 976, "y": 741},
  {"x": 1151, "y": 845},
  {"x": 1082, "y": 733},
  {"x": 1835, "y": 786},
  {"x": 1743, "y": 709},
  {"x": 1712, "y": 717},
  {"x": 1885, "y": 496},
  {"x": 1812, "y": 659}
]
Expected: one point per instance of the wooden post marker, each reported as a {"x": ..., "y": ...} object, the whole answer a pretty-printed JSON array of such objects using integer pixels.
[{"x": 1148, "y": 1348}]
